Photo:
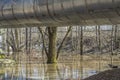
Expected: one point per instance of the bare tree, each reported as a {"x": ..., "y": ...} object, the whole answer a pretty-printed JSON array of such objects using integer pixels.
[
  {"x": 13, "y": 40},
  {"x": 52, "y": 52}
]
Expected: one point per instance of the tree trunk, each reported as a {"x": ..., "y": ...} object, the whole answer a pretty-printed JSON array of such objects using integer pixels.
[{"x": 52, "y": 45}]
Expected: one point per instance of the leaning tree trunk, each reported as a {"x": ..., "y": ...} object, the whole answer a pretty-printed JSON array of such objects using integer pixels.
[{"x": 52, "y": 31}]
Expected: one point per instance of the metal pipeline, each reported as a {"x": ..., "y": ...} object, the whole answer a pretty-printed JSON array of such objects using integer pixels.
[{"x": 59, "y": 12}]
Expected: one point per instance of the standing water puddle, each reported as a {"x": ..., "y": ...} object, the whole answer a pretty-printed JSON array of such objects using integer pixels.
[{"x": 47, "y": 72}]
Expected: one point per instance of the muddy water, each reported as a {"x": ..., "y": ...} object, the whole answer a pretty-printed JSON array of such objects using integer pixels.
[
  {"x": 66, "y": 69},
  {"x": 60, "y": 71}
]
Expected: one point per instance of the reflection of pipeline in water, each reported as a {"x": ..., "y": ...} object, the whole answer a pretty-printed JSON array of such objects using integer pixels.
[{"x": 59, "y": 12}]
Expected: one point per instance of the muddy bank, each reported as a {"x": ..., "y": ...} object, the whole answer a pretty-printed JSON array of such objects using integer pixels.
[{"x": 113, "y": 74}]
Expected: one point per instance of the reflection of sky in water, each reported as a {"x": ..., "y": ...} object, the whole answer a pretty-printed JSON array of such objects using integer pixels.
[
  {"x": 75, "y": 74},
  {"x": 40, "y": 73},
  {"x": 88, "y": 73},
  {"x": 91, "y": 72}
]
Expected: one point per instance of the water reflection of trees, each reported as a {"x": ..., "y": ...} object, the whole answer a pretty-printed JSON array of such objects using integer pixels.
[{"x": 61, "y": 71}]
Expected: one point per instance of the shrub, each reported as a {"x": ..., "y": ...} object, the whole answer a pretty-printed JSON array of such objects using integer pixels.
[{"x": 2, "y": 56}]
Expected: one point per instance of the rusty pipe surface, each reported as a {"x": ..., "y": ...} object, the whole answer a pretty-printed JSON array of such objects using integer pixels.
[{"x": 59, "y": 12}]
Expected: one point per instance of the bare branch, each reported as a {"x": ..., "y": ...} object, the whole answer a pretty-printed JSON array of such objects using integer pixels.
[
  {"x": 40, "y": 30},
  {"x": 68, "y": 31}
]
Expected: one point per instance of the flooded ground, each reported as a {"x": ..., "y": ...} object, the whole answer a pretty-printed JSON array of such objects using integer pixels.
[
  {"x": 69, "y": 69},
  {"x": 45, "y": 72}
]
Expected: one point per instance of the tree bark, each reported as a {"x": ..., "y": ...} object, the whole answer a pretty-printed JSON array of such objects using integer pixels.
[{"x": 52, "y": 31}]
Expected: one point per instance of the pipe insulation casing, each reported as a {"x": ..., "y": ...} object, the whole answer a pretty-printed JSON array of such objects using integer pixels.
[{"x": 59, "y": 12}]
